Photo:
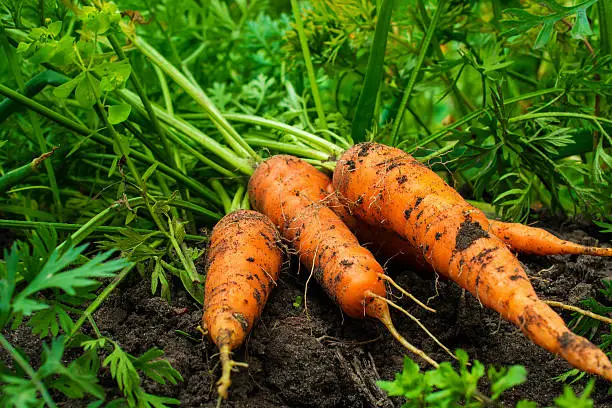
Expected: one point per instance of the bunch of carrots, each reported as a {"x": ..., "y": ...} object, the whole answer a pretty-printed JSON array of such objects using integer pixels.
[{"x": 377, "y": 194}]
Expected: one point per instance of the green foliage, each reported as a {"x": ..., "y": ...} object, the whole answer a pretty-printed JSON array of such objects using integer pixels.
[
  {"x": 60, "y": 274},
  {"x": 569, "y": 400},
  {"x": 74, "y": 380},
  {"x": 511, "y": 106},
  {"x": 446, "y": 386},
  {"x": 524, "y": 21},
  {"x": 47, "y": 271},
  {"x": 125, "y": 369}
]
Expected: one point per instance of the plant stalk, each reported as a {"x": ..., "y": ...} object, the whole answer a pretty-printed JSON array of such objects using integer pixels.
[
  {"x": 297, "y": 14},
  {"x": 416, "y": 70},
  {"x": 374, "y": 75},
  {"x": 102, "y": 229},
  {"x": 28, "y": 370},
  {"x": 227, "y": 131}
]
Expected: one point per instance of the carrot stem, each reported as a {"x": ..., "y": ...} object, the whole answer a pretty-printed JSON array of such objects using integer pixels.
[
  {"x": 292, "y": 130},
  {"x": 227, "y": 131},
  {"x": 308, "y": 62},
  {"x": 417, "y": 69}
]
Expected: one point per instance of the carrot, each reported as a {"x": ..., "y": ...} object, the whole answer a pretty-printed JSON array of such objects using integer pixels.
[
  {"x": 531, "y": 240},
  {"x": 243, "y": 264},
  {"x": 386, "y": 245},
  {"x": 385, "y": 186},
  {"x": 390, "y": 246},
  {"x": 291, "y": 193}
]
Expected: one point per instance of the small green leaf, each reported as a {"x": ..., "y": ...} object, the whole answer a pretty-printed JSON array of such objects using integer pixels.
[
  {"x": 161, "y": 207},
  {"x": 124, "y": 147},
  {"x": 149, "y": 172},
  {"x": 544, "y": 36},
  {"x": 118, "y": 113},
  {"x": 157, "y": 369},
  {"x": 159, "y": 276},
  {"x": 298, "y": 301},
  {"x": 131, "y": 216},
  {"x": 410, "y": 383},
  {"x": 569, "y": 399},
  {"x": 94, "y": 344},
  {"x": 23, "y": 47},
  {"x": 113, "y": 167},
  {"x": 582, "y": 28},
  {"x": 19, "y": 392},
  {"x": 64, "y": 91},
  {"x": 113, "y": 74},
  {"x": 179, "y": 230},
  {"x": 88, "y": 91},
  {"x": 49, "y": 321},
  {"x": 123, "y": 371},
  {"x": 506, "y": 379},
  {"x": 55, "y": 28}
]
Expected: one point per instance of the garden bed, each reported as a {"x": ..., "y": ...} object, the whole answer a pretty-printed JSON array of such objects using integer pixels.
[{"x": 321, "y": 359}]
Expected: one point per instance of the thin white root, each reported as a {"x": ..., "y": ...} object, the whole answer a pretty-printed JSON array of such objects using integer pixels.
[
  {"x": 386, "y": 320},
  {"x": 405, "y": 292},
  {"x": 579, "y": 310},
  {"x": 417, "y": 321}
]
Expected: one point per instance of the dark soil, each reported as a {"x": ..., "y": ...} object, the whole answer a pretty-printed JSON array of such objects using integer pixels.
[{"x": 321, "y": 359}]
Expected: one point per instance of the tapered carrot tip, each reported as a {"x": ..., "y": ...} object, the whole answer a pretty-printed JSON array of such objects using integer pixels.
[
  {"x": 547, "y": 329},
  {"x": 584, "y": 355},
  {"x": 532, "y": 240},
  {"x": 226, "y": 371}
]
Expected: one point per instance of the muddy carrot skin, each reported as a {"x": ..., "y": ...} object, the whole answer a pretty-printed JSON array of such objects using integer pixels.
[
  {"x": 531, "y": 240},
  {"x": 243, "y": 264},
  {"x": 386, "y": 245},
  {"x": 385, "y": 186},
  {"x": 291, "y": 193}
]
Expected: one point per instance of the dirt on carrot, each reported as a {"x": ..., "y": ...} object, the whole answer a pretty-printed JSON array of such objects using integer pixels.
[
  {"x": 387, "y": 246},
  {"x": 243, "y": 263},
  {"x": 292, "y": 194},
  {"x": 537, "y": 241},
  {"x": 454, "y": 238}
]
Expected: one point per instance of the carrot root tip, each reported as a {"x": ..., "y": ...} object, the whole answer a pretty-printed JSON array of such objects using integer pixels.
[
  {"x": 227, "y": 366},
  {"x": 202, "y": 329}
]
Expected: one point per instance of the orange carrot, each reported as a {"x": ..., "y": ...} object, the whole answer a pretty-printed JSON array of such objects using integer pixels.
[
  {"x": 531, "y": 240},
  {"x": 386, "y": 245},
  {"x": 290, "y": 192},
  {"x": 243, "y": 264},
  {"x": 385, "y": 186},
  {"x": 389, "y": 246}
]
